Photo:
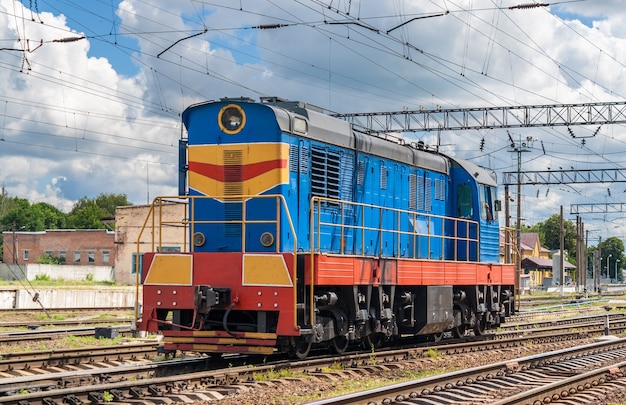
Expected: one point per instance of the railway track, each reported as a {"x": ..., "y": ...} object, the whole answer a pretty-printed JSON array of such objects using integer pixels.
[
  {"x": 14, "y": 363},
  {"x": 539, "y": 379},
  {"x": 181, "y": 381},
  {"x": 16, "y": 337},
  {"x": 57, "y": 377},
  {"x": 53, "y": 361},
  {"x": 40, "y": 383},
  {"x": 32, "y": 325}
]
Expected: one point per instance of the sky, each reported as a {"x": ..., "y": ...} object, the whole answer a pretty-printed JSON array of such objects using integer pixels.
[{"x": 93, "y": 90}]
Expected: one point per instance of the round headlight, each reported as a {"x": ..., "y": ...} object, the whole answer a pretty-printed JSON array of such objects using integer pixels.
[
  {"x": 267, "y": 239},
  {"x": 231, "y": 119},
  {"x": 198, "y": 239}
]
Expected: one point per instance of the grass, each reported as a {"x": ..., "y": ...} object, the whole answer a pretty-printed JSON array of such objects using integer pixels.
[
  {"x": 333, "y": 367},
  {"x": 68, "y": 342},
  {"x": 350, "y": 386},
  {"x": 274, "y": 374},
  {"x": 57, "y": 282},
  {"x": 433, "y": 354}
]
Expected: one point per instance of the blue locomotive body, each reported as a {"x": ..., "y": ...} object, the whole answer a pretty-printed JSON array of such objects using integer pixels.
[
  {"x": 326, "y": 158},
  {"x": 305, "y": 231}
]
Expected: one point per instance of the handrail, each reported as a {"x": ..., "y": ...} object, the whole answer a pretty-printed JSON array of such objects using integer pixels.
[
  {"x": 510, "y": 244},
  {"x": 137, "y": 269},
  {"x": 431, "y": 220},
  {"x": 189, "y": 223}
]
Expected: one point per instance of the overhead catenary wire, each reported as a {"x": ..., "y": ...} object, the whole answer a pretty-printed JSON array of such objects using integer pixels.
[{"x": 190, "y": 65}]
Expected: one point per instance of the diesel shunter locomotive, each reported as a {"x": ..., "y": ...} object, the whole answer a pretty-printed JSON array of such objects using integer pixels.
[{"x": 302, "y": 231}]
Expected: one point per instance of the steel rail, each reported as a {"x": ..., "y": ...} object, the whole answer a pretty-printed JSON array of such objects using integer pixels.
[{"x": 413, "y": 389}]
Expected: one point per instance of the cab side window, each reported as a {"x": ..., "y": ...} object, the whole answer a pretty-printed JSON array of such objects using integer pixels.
[
  {"x": 464, "y": 201},
  {"x": 487, "y": 198}
]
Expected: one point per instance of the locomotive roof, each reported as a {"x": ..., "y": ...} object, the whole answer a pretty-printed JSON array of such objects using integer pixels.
[
  {"x": 339, "y": 132},
  {"x": 480, "y": 174}
]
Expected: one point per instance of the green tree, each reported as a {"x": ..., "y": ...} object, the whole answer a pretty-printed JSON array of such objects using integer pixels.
[
  {"x": 21, "y": 217},
  {"x": 50, "y": 215},
  {"x": 550, "y": 234},
  {"x": 88, "y": 213},
  {"x": 108, "y": 202},
  {"x": 612, "y": 250}
]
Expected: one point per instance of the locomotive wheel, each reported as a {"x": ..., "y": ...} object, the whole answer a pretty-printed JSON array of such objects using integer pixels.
[
  {"x": 459, "y": 331},
  {"x": 372, "y": 341},
  {"x": 339, "y": 344},
  {"x": 437, "y": 337},
  {"x": 299, "y": 348},
  {"x": 480, "y": 326}
]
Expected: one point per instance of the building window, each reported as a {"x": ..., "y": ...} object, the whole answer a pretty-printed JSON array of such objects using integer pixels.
[
  {"x": 48, "y": 253},
  {"x": 135, "y": 264},
  {"x": 62, "y": 256},
  {"x": 91, "y": 256},
  {"x": 76, "y": 257},
  {"x": 25, "y": 255},
  {"x": 169, "y": 249},
  {"x": 105, "y": 256}
]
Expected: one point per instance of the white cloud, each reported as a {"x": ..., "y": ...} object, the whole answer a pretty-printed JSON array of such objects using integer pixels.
[{"x": 68, "y": 113}]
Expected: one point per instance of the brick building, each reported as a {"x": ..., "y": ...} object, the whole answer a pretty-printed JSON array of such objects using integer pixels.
[
  {"x": 73, "y": 246},
  {"x": 117, "y": 250},
  {"x": 129, "y": 228}
]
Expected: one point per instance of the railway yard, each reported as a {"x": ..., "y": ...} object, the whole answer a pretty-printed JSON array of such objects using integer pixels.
[{"x": 555, "y": 351}]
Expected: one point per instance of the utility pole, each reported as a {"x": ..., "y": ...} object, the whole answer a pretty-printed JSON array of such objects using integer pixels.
[
  {"x": 508, "y": 242},
  {"x": 14, "y": 245},
  {"x": 596, "y": 276},
  {"x": 587, "y": 260},
  {"x": 519, "y": 148},
  {"x": 561, "y": 260},
  {"x": 581, "y": 252}
]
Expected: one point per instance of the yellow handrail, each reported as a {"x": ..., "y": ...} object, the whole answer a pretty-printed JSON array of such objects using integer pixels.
[
  {"x": 189, "y": 224},
  {"x": 317, "y": 224}
]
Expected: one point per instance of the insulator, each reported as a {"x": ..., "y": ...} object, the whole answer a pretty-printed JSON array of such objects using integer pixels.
[
  {"x": 529, "y": 5},
  {"x": 571, "y": 133},
  {"x": 596, "y": 131}
]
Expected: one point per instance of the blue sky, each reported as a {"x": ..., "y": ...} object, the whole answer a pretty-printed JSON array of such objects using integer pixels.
[
  {"x": 98, "y": 21},
  {"x": 103, "y": 114}
]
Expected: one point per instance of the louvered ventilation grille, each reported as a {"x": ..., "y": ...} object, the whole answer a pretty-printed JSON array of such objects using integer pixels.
[
  {"x": 383, "y": 178},
  {"x": 412, "y": 191},
  {"x": 233, "y": 185}
]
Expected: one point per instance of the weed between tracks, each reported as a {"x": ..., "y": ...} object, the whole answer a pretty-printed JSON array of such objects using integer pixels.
[{"x": 66, "y": 342}]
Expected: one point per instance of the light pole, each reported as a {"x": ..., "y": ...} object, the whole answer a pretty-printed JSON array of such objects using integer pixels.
[
  {"x": 616, "y": 262},
  {"x": 608, "y": 269}
]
